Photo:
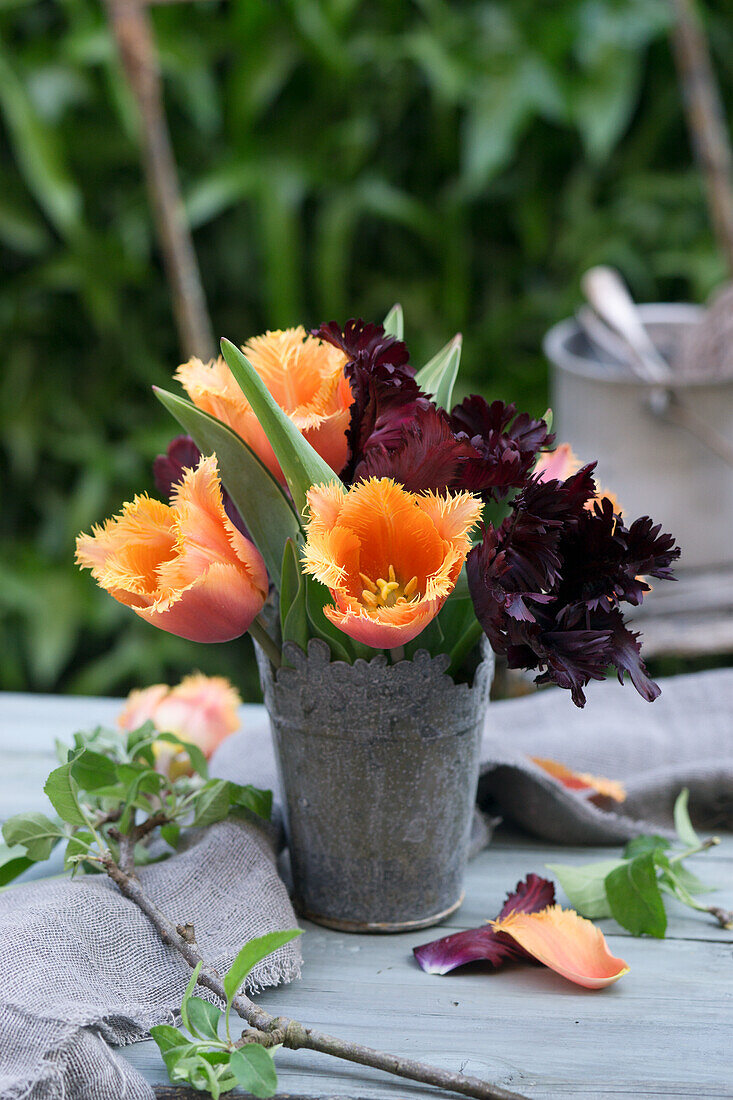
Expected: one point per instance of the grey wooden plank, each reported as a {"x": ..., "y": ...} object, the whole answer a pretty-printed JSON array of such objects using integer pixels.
[{"x": 525, "y": 1028}]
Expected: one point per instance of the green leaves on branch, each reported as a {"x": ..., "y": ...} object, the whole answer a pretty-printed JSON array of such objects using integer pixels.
[
  {"x": 634, "y": 897},
  {"x": 110, "y": 786},
  {"x": 34, "y": 833},
  {"x": 300, "y": 463},
  {"x": 259, "y": 498},
  {"x": 586, "y": 885},
  {"x": 208, "y": 1062},
  {"x": 631, "y": 889},
  {"x": 218, "y": 797}
]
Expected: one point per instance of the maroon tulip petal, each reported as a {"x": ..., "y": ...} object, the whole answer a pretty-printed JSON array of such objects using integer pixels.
[
  {"x": 427, "y": 456},
  {"x": 484, "y": 944},
  {"x": 547, "y": 584},
  {"x": 505, "y": 445}
]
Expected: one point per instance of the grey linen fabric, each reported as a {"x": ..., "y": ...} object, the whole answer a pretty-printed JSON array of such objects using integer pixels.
[{"x": 82, "y": 967}]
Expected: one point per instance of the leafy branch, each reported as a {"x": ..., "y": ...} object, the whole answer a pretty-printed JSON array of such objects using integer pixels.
[
  {"x": 112, "y": 795},
  {"x": 632, "y": 889}
]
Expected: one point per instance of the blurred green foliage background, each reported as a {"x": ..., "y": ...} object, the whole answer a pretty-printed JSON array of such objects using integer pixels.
[{"x": 469, "y": 159}]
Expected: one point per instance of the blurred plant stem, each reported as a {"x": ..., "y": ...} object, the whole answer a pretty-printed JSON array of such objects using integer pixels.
[
  {"x": 705, "y": 119},
  {"x": 133, "y": 32}
]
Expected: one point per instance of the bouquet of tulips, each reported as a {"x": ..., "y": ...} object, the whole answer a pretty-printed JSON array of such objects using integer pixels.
[{"x": 328, "y": 489}]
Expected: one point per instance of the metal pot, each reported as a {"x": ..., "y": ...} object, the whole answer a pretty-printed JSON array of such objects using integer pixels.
[
  {"x": 652, "y": 466},
  {"x": 379, "y": 767}
]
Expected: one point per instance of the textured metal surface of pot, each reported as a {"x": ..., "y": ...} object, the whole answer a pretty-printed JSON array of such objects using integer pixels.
[{"x": 379, "y": 765}]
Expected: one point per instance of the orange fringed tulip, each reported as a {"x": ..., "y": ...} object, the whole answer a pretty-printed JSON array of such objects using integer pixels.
[
  {"x": 305, "y": 377},
  {"x": 581, "y": 781},
  {"x": 389, "y": 557},
  {"x": 201, "y": 710},
  {"x": 185, "y": 567},
  {"x": 565, "y": 942}
]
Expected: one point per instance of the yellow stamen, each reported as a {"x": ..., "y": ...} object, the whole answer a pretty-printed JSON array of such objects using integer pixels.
[{"x": 387, "y": 593}]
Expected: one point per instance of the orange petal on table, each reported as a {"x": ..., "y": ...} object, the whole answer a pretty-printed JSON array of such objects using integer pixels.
[
  {"x": 581, "y": 781},
  {"x": 566, "y": 943}
]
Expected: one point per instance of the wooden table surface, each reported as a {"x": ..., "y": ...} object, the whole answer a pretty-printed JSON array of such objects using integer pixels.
[{"x": 665, "y": 1030}]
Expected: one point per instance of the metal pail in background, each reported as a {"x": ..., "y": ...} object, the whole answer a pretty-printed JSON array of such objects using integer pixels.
[{"x": 652, "y": 466}]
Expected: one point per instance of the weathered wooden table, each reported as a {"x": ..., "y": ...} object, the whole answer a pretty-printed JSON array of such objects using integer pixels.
[{"x": 665, "y": 1030}]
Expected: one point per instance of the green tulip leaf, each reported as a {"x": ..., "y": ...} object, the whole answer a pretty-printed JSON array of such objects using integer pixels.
[
  {"x": 438, "y": 377},
  {"x": 394, "y": 322},
  {"x": 300, "y": 463}
]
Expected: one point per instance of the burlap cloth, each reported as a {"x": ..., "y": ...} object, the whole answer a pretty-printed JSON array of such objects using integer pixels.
[{"x": 81, "y": 967}]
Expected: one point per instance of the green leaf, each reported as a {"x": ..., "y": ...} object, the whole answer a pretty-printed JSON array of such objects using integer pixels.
[
  {"x": 195, "y": 755},
  {"x": 635, "y": 899},
  {"x": 255, "y": 1070},
  {"x": 212, "y": 802},
  {"x": 300, "y": 463},
  {"x": 168, "y": 1038},
  {"x": 438, "y": 376},
  {"x": 92, "y": 770},
  {"x": 456, "y": 616},
  {"x": 640, "y": 845},
  {"x": 171, "y": 834},
  {"x": 316, "y": 598},
  {"x": 394, "y": 322},
  {"x": 691, "y": 882},
  {"x": 13, "y": 862},
  {"x": 251, "y": 798},
  {"x": 250, "y": 955},
  {"x": 188, "y": 993},
  {"x": 431, "y": 639},
  {"x": 194, "y": 1068},
  {"x": 259, "y": 498},
  {"x": 682, "y": 822},
  {"x": 78, "y": 848},
  {"x": 293, "y": 612},
  {"x": 38, "y": 154},
  {"x": 463, "y": 644},
  {"x": 203, "y": 1018},
  {"x": 136, "y": 738},
  {"x": 35, "y": 832},
  {"x": 585, "y": 886},
  {"x": 61, "y": 790}
]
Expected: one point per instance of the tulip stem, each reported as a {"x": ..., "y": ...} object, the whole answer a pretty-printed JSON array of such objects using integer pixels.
[
  {"x": 261, "y": 635},
  {"x": 397, "y": 654}
]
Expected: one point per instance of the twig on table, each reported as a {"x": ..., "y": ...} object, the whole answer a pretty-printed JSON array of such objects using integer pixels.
[
  {"x": 134, "y": 834},
  {"x": 271, "y": 1031}
]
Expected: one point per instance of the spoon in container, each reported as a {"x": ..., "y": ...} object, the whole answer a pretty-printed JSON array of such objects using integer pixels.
[{"x": 608, "y": 295}]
